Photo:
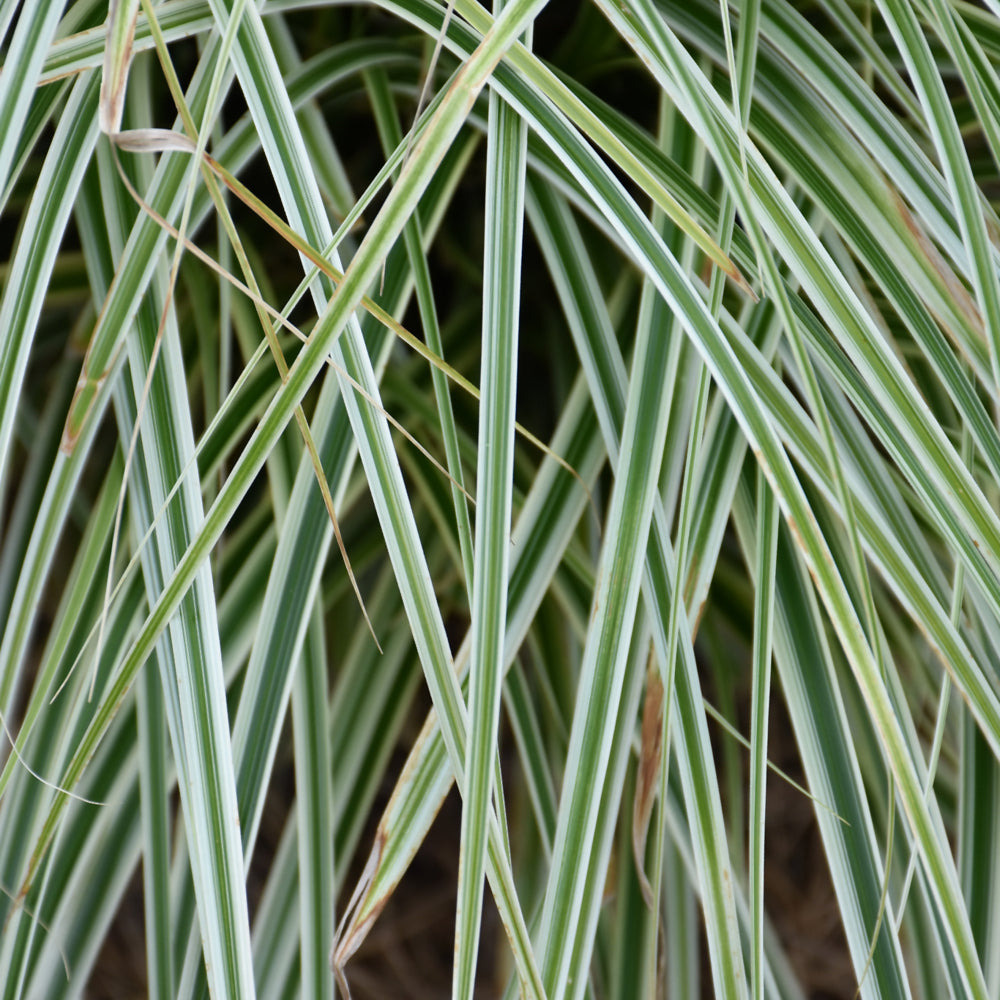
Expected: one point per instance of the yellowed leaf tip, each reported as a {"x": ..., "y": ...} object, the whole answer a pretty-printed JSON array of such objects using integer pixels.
[{"x": 737, "y": 275}]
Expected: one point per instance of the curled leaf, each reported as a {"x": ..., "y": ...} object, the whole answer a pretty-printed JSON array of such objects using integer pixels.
[
  {"x": 122, "y": 15},
  {"x": 153, "y": 140}
]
